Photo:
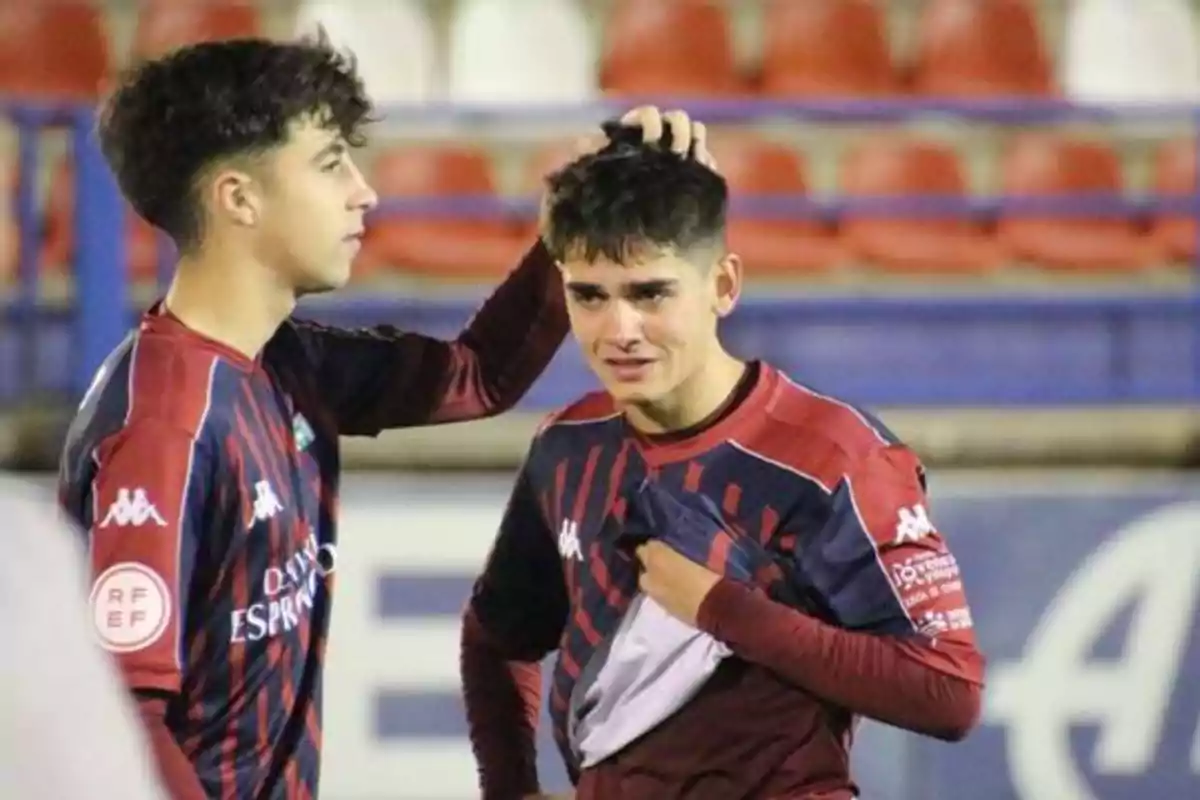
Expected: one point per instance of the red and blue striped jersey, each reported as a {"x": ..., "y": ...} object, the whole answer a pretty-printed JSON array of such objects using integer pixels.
[
  {"x": 208, "y": 484},
  {"x": 822, "y": 507}
]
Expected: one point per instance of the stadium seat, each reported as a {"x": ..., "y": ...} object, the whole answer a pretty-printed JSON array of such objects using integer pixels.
[
  {"x": 1046, "y": 165},
  {"x": 826, "y": 48},
  {"x": 980, "y": 48},
  {"x": 669, "y": 48},
  {"x": 394, "y": 43},
  {"x": 53, "y": 50},
  {"x": 436, "y": 245},
  {"x": 520, "y": 53},
  {"x": 58, "y": 249},
  {"x": 542, "y": 162},
  {"x": 1175, "y": 174},
  {"x": 1118, "y": 51},
  {"x": 772, "y": 247},
  {"x": 900, "y": 166},
  {"x": 164, "y": 25}
]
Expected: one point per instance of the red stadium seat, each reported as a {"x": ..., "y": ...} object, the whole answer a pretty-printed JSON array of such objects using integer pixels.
[
  {"x": 826, "y": 48},
  {"x": 52, "y": 50},
  {"x": 546, "y": 160},
  {"x": 669, "y": 47},
  {"x": 58, "y": 249},
  {"x": 975, "y": 48},
  {"x": 1175, "y": 174},
  {"x": 909, "y": 167},
  {"x": 1040, "y": 165},
  {"x": 772, "y": 248},
  {"x": 435, "y": 245},
  {"x": 165, "y": 25}
]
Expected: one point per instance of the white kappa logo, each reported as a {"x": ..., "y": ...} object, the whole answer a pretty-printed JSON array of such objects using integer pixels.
[
  {"x": 913, "y": 524},
  {"x": 132, "y": 508},
  {"x": 131, "y": 607},
  {"x": 266, "y": 504},
  {"x": 568, "y": 541}
]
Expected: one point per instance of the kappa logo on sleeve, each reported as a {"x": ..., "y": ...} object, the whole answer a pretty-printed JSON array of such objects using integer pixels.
[
  {"x": 913, "y": 524},
  {"x": 132, "y": 508}
]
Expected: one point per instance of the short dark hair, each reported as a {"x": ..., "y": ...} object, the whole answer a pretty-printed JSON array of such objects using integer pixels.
[
  {"x": 626, "y": 197},
  {"x": 170, "y": 118}
]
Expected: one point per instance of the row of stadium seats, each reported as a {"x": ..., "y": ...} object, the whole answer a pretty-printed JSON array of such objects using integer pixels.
[
  {"x": 1035, "y": 165},
  {"x": 521, "y": 51},
  {"x": 481, "y": 246}
]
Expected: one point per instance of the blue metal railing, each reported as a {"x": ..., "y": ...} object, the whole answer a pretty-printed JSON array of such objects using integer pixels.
[{"x": 101, "y": 313}]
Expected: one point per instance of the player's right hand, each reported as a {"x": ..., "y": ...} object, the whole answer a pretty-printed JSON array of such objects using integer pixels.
[{"x": 688, "y": 136}]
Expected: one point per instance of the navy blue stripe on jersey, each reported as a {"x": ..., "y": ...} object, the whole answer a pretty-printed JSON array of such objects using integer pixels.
[{"x": 602, "y": 580}]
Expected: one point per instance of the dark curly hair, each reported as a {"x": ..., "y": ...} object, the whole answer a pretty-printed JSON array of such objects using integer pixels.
[
  {"x": 171, "y": 118},
  {"x": 627, "y": 197}
]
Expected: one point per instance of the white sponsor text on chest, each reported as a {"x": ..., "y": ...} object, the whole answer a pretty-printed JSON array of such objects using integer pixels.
[{"x": 287, "y": 594}]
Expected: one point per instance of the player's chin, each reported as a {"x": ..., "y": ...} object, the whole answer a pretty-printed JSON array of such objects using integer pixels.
[
  {"x": 633, "y": 393},
  {"x": 327, "y": 281}
]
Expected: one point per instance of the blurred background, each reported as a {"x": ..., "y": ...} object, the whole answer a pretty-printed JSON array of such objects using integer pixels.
[{"x": 977, "y": 217}]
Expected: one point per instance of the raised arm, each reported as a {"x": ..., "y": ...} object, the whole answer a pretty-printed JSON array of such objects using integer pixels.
[
  {"x": 378, "y": 378},
  {"x": 151, "y": 485},
  {"x": 515, "y": 617}
]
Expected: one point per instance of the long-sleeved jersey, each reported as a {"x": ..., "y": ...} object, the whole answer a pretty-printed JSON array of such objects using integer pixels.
[
  {"x": 840, "y": 599},
  {"x": 207, "y": 482}
]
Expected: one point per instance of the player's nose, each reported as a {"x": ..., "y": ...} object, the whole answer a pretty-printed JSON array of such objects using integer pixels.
[
  {"x": 622, "y": 324},
  {"x": 363, "y": 197}
]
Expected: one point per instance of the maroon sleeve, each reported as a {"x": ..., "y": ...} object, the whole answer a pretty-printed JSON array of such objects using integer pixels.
[
  {"x": 151, "y": 484},
  {"x": 503, "y": 700},
  {"x": 881, "y": 677},
  {"x": 515, "y": 617},
  {"x": 176, "y": 772},
  {"x": 379, "y": 378}
]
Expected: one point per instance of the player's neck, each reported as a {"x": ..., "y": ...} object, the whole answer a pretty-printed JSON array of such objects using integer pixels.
[
  {"x": 697, "y": 399},
  {"x": 233, "y": 302}
]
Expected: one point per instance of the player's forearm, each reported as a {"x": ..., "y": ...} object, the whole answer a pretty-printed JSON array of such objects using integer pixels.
[
  {"x": 502, "y": 700},
  {"x": 509, "y": 342},
  {"x": 875, "y": 676},
  {"x": 382, "y": 378},
  {"x": 176, "y": 772}
]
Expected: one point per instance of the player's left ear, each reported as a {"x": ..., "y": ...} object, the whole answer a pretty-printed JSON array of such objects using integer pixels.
[
  {"x": 727, "y": 277},
  {"x": 237, "y": 197}
]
